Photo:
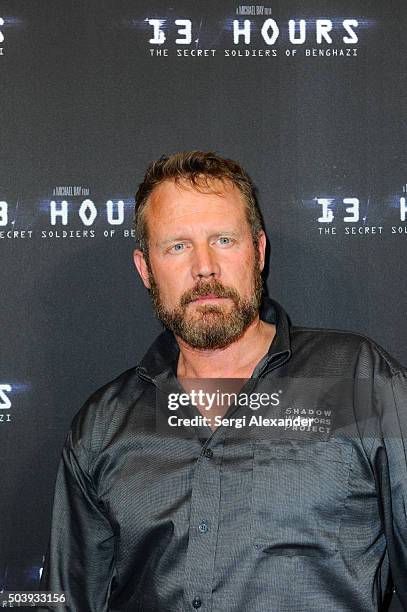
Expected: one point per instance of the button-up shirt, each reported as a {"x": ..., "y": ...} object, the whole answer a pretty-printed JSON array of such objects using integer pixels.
[{"x": 292, "y": 504}]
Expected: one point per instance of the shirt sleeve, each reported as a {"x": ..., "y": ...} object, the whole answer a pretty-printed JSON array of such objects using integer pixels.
[
  {"x": 80, "y": 555},
  {"x": 391, "y": 469}
]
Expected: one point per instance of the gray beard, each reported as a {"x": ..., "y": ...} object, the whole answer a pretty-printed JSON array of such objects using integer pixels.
[{"x": 211, "y": 326}]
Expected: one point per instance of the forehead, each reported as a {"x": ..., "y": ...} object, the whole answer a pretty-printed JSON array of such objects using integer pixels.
[{"x": 173, "y": 202}]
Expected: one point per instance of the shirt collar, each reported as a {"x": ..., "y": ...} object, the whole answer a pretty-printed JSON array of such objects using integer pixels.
[{"x": 163, "y": 353}]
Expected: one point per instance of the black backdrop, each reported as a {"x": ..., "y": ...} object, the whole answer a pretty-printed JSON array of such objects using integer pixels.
[{"x": 88, "y": 98}]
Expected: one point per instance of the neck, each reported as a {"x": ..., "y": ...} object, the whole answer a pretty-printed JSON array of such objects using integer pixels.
[{"x": 237, "y": 360}]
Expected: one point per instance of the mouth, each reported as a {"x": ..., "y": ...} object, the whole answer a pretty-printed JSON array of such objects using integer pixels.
[{"x": 207, "y": 298}]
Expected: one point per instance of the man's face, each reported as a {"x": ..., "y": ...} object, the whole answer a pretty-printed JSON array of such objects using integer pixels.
[{"x": 202, "y": 269}]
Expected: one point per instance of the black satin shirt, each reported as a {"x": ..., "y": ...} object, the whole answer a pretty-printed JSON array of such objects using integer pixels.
[{"x": 149, "y": 518}]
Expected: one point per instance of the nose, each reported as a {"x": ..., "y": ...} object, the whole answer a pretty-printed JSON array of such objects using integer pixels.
[{"x": 204, "y": 264}]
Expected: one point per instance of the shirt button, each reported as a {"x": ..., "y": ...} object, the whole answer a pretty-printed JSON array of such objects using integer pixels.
[
  {"x": 197, "y": 603},
  {"x": 208, "y": 452},
  {"x": 203, "y": 527}
]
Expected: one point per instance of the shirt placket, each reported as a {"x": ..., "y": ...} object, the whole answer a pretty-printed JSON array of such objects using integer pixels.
[{"x": 203, "y": 526}]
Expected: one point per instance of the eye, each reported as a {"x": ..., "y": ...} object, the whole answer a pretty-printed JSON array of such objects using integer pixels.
[
  {"x": 177, "y": 248},
  {"x": 224, "y": 240}
]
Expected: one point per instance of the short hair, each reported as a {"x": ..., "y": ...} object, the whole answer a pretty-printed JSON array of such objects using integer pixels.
[{"x": 198, "y": 168}]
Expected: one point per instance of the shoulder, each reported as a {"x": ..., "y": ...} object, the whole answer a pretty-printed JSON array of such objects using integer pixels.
[
  {"x": 345, "y": 350},
  {"x": 104, "y": 406}
]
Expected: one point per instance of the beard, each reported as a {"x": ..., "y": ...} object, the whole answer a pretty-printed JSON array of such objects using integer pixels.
[{"x": 214, "y": 325}]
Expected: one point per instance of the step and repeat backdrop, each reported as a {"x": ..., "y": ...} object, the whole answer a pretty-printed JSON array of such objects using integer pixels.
[{"x": 310, "y": 96}]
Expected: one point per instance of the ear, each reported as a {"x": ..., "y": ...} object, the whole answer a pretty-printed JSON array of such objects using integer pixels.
[
  {"x": 262, "y": 241},
  {"x": 141, "y": 265}
]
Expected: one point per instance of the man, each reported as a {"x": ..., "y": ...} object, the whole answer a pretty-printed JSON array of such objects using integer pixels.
[{"x": 168, "y": 499}]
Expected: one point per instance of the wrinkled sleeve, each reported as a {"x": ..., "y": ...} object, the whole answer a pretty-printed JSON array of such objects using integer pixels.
[
  {"x": 391, "y": 466},
  {"x": 80, "y": 555}
]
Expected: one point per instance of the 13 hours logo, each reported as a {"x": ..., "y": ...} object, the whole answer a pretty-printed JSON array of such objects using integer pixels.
[
  {"x": 5, "y": 402},
  {"x": 1, "y": 35}
]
